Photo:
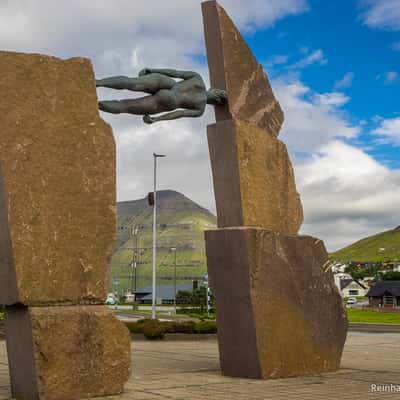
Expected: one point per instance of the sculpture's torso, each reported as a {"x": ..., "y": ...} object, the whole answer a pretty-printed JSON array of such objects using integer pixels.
[{"x": 189, "y": 94}]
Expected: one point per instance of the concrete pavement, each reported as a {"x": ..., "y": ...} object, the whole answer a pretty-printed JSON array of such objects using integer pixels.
[{"x": 189, "y": 370}]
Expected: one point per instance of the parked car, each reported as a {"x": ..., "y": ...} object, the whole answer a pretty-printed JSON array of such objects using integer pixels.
[
  {"x": 351, "y": 301},
  {"x": 111, "y": 299}
]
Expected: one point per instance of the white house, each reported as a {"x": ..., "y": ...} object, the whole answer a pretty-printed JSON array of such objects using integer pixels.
[{"x": 348, "y": 287}]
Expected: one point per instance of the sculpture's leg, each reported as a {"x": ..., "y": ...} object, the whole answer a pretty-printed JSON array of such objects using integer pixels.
[
  {"x": 141, "y": 106},
  {"x": 150, "y": 83}
]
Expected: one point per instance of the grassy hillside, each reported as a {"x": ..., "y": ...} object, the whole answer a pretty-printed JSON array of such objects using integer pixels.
[
  {"x": 180, "y": 224},
  {"x": 382, "y": 247}
]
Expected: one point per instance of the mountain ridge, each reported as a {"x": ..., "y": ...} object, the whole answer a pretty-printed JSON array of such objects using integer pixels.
[
  {"x": 381, "y": 247},
  {"x": 180, "y": 224}
]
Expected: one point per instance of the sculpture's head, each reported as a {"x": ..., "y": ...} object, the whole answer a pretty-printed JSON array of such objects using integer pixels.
[{"x": 216, "y": 97}]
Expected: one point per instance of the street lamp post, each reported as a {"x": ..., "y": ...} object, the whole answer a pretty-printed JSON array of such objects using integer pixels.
[
  {"x": 135, "y": 232},
  {"x": 153, "y": 308},
  {"x": 174, "y": 250}
]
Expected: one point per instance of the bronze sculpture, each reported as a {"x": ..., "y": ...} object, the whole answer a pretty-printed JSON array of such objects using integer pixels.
[{"x": 187, "y": 97}]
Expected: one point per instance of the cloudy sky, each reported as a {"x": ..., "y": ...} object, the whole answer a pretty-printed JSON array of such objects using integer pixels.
[{"x": 334, "y": 67}]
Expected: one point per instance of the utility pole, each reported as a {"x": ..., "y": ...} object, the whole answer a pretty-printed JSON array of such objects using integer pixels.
[
  {"x": 174, "y": 250},
  {"x": 154, "y": 294},
  {"x": 135, "y": 232}
]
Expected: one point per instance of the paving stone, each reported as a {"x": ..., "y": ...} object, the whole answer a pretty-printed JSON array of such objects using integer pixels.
[{"x": 352, "y": 382}]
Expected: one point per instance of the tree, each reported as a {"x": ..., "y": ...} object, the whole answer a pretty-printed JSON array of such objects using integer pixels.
[
  {"x": 199, "y": 298},
  {"x": 184, "y": 297},
  {"x": 391, "y": 276}
]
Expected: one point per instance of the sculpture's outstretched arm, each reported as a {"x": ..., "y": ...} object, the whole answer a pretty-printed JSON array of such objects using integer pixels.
[
  {"x": 173, "y": 73},
  {"x": 173, "y": 115}
]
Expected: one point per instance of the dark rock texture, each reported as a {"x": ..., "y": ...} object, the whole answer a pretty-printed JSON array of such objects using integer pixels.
[
  {"x": 234, "y": 68},
  {"x": 258, "y": 188},
  {"x": 279, "y": 311},
  {"x": 57, "y": 191},
  {"x": 57, "y": 229},
  {"x": 64, "y": 353}
]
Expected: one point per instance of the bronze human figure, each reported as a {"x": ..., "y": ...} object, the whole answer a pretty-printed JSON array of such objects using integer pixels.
[{"x": 178, "y": 99}]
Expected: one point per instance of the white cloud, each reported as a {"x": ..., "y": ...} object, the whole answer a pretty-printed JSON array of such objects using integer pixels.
[
  {"x": 388, "y": 78},
  {"x": 382, "y": 14},
  {"x": 311, "y": 120},
  {"x": 124, "y": 36},
  {"x": 391, "y": 77},
  {"x": 253, "y": 14},
  {"x": 347, "y": 195},
  {"x": 395, "y": 46},
  {"x": 316, "y": 57},
  {"x": 278, "y": 59},
  {"x": 331, "y": 99},
  {"x": 345, "y": 82},
  {"x": 389, "y": 131}
]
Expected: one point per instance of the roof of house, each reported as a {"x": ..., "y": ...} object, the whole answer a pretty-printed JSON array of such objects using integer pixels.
[
  {"x": 165, "y": 292},
  {"x": 382, "y": 287},
  {"x": 346, "y": 282}
]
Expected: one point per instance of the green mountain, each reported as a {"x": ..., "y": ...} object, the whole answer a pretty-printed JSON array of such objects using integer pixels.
[
  {"x": 180, "y": 224},
  {"x": 382, "y": 247}
]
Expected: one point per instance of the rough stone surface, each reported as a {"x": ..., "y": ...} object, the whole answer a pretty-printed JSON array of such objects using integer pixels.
[
  {"x": 64, "y": 353},
  {"x": 258, "y": 188},
  {"x": 234, "y": 68},
  {"x": 57, "y": 194},
  {"x": 288, "y": 318}
]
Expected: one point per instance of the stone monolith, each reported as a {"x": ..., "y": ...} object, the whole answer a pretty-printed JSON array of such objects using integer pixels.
[
  {"x": 66, "y": 352},
  {"x": 279, "y": 312},
  {"x": 57, "y": 190},
  {"x": 57, "y": 228}
]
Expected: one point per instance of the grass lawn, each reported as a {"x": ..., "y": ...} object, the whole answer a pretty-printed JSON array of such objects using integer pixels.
[{"x": 372, "y": 317}]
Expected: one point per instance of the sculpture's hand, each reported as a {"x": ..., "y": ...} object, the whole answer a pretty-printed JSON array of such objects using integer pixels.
[
  {"x": 147, "y": 119},
  {"x": 145, "y": 71}
]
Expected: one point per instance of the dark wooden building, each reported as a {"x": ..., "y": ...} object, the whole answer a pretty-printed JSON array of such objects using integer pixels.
[{"x": 385, "y": 294}]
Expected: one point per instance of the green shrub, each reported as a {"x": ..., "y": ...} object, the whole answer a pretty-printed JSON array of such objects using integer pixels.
[
  {"x": 169, "y": 326},
  {"x": 185, "y": 327},
  {"x": 134, "y": 327},
  {"x": 137, "y": 326},
  {"x": 205, "y": 327},
  {"x": 153, "y": 331},
  {"x": 145, "y": 320}
]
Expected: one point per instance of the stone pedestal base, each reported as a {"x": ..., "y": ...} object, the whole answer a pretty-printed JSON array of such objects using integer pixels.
[
  {"x": 66, "y": 353},
  {"x": 279, "y": 313}
]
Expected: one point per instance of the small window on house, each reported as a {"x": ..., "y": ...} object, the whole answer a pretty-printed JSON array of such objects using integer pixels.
[{"x": 353, "y": 292}]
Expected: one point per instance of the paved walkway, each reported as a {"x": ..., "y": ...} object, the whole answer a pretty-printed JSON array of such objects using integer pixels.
[{"x": 189, "y": 370}]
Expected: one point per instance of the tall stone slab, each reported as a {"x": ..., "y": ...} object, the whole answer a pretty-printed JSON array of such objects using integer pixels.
[
  {"x": 279, "y": 312},
  {"x": 57, "y": 227},
  {"x": 57, "y": 185},
  {"x": 234, "y": 69},
  {"x": 258, "y": 188}
]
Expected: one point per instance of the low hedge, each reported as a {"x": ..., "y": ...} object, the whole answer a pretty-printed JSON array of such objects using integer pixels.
[
  {"x": 155, "y": 329},
  {"x": 205, "y": 327}
]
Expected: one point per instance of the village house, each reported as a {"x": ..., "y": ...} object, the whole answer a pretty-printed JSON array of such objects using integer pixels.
[
  {"x": 349, "y": 287},
  {"x": 385, "y": 294}
]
